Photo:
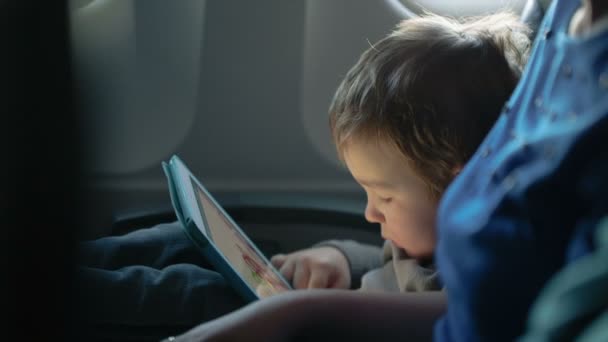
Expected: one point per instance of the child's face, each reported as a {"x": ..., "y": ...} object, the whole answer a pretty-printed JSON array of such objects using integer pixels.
[{"x": 397, "y": 198}]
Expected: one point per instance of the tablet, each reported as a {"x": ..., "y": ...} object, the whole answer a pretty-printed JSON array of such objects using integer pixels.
[{"x": 219, "y": 238}]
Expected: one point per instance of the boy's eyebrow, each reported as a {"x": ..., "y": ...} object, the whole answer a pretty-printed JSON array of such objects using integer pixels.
[{"x": 375, "y": 183}]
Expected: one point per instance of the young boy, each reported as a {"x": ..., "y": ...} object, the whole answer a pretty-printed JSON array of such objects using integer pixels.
[
  {"x": 526, "y": 205},
  {"x": 405, "y": 120}
]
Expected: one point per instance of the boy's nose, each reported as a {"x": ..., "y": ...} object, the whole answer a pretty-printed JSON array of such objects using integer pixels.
[{"x": 373, "y": 215}]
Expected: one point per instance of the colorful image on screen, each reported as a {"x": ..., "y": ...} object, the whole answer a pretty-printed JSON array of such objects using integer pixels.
[{"x": 237, "y": 250}]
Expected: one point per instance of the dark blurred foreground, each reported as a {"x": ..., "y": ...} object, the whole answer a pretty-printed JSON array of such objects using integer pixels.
[{"x": 39, "y": 174}]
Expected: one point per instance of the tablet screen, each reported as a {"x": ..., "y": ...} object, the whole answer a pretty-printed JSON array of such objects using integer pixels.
[{"x": 237, "y": 249}]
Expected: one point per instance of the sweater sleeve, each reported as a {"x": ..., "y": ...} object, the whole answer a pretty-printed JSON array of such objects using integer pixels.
[{"x": 361, "y": 257}]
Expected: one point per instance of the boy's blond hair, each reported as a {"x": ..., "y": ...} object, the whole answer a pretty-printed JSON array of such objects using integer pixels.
[{"x": 433, "y": 88}]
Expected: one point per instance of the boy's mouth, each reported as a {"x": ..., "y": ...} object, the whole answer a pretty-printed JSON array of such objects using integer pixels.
[
  {"x": 387, "y": 238},
  {"x": 383, "y": 232}
]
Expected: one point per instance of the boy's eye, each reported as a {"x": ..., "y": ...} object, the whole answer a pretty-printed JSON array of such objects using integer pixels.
[{"x": 385, "y": 199}]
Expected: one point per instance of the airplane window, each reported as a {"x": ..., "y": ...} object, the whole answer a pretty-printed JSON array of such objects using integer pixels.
[
  {"x": 462, "y": 7},
  {"x": 138, "y": 80},
  {"x": 368, "y": 21}
]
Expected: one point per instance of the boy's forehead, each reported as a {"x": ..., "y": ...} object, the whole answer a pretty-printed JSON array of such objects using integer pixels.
[
  {"x": 372, "y": 149},
  {"x": 374, "y": 162}
]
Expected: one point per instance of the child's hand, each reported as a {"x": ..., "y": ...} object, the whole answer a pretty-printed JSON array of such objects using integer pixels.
[{"x": 321, "y": 268}]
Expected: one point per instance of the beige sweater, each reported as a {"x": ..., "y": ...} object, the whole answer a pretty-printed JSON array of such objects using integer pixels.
[{"x": 386, "y": 269}]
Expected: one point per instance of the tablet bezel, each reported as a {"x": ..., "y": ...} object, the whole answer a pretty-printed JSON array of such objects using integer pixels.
[{"x": 196, "y": 226}]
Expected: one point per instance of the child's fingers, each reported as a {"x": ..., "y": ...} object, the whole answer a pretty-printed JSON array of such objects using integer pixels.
[
  {"x": 278, "y": 260},
  {"x": 318, "y": 279},
  {"x": 340, "y": 281},
  {"x": 300, "y": 276},
  {"x": 287, "y": 269}
]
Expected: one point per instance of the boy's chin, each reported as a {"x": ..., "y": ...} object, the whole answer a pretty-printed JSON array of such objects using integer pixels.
[
  {"x": 423, "y": 257},
  {"x": 398, "y": 245}
]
